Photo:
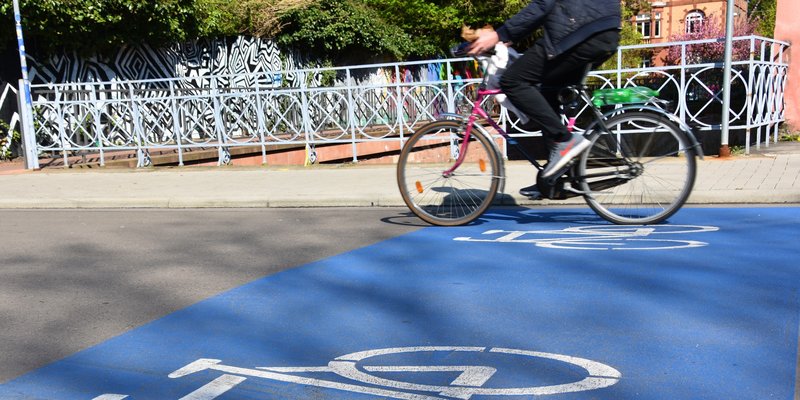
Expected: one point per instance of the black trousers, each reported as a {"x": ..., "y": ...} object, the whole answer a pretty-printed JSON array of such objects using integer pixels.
[{"x": 524, "y": 80}]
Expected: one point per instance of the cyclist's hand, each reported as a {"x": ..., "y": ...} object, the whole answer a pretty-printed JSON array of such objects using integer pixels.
[{"x": 487, "y": 39}]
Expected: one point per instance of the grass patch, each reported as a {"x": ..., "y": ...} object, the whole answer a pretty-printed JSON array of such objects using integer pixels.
[{"x": 790, "y": 137}]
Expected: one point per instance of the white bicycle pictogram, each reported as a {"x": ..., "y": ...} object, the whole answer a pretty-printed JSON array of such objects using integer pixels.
[
  {"x": 600, "y": 237},
  {"x": 357, "y": 376}
]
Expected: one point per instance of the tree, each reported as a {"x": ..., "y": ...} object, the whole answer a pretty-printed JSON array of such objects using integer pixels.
[
  {"x": 335, "y": 28},
  {"x": 434, "y": 26},
  {"x": 91, "y": 25},
  {"x": 260, "y": 18},
  {"x": 761, "y": 14},
  {"x": 394, "y": 28}
]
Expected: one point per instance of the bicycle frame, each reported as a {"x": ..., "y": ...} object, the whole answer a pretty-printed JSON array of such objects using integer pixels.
[
  {"x": 599, "y": 122},
  {"x": 479, "y": 112},
  {"x": 618, "y": 153}
]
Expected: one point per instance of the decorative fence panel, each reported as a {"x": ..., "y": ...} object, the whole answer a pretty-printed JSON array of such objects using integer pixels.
[{"x": 380, "y": 102}]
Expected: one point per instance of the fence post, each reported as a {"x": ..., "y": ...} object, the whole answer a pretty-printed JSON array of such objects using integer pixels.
[
  {"x": 724, "y": 150},
  {"x": 783, "y": 93},
  {"x": 219, "y": 124},
  {"x": 682, "y": 104},
  {"x": 401, "y": 118},
  {"x": 351, "y": 113},
  {"x": 137, "y": 127},
  {"x": 61, "y": 129},
  {"x": 176, "y": 126},
  {"x": 749, "y": 96},
  {"x": 260, "y": 120},
  {"x": 306, "y": 115},
  {"x": 619, "y": 68},
  {"x": 451, "y": 95},
  {"x": 98, "y": 128}
]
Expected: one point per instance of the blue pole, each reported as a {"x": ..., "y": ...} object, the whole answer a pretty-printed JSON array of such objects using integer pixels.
[
  {"x": 21, "y": 42},
  {"x": 26, "y": 106}
]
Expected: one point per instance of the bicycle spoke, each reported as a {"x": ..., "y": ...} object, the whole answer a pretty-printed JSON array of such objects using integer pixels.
[
  {"x": 458, "y": 196},
  {"x": 636, "y": 147}
]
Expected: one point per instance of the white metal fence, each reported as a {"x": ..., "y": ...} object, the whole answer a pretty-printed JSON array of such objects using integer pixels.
[{"x": 380, "y": 102}]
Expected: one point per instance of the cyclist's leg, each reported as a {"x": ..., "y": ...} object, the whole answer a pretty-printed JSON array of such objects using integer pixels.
[{"x": 520, "y": 82}]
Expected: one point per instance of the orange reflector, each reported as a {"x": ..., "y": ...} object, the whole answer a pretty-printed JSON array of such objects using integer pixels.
[
  {"x": 419, "y": 187},
  {"x": 482, "y": 164}
]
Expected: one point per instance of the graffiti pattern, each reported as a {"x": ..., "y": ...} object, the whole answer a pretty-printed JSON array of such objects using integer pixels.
[
  {"x": 237, "y": 60},
  {"x": 192, "y": 70}
]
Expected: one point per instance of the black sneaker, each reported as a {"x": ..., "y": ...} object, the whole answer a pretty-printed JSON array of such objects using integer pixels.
[{"x": 531, "y": 191}]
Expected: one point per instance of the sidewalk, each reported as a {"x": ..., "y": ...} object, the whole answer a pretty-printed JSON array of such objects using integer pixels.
[{"x": 768, "y": 176}]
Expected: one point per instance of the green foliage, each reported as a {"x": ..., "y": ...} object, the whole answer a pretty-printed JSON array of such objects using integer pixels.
[
  {"x": 434, "y": 26},
  {"x": 336, "y": 28},
  {"x": 217, "y": 18},
  {"x": 330, "y": 29},
  {"x": 9, "y": 141},
  {"x": 762, "y": 14},
  {"x": 790, "y": 137},
  {"x": 92, "y": 25}
]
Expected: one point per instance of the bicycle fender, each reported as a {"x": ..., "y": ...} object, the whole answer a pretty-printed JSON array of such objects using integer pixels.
[
  {"x": 682, "y": 125},
  {"x": 451, "y": 117}
]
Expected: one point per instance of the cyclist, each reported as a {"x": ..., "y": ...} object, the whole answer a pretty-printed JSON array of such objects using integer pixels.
[{"x": 577, "y": 34}]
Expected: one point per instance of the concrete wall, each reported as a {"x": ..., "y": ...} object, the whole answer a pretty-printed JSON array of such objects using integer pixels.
[{"x": 787, "y": 29}]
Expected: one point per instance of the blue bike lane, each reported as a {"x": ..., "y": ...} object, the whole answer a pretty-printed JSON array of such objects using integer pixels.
[{"x": 553, "y": 303}]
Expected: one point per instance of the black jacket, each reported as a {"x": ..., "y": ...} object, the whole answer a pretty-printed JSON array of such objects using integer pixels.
[{"x": 566, "y": 22}]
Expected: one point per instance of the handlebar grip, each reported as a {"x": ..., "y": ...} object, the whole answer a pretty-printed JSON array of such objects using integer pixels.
[{"x": 462, "y": 49}]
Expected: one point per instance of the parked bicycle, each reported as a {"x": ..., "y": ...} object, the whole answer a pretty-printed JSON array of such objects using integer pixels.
[{"x": 639, "y": 169}]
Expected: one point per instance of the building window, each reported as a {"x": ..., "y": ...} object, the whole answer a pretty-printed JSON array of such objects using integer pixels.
[
  {"x": 643, "y": 24},
  {"x": 646, "y": 63},
  {"x": 657, "y": 25},
  {"x": 694, "y": 20}
]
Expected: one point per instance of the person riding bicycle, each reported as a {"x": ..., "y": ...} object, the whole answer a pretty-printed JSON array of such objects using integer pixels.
[{"x": 577, "y": 34}]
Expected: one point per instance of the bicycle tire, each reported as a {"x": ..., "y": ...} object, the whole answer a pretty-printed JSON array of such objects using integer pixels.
[
  {"x": 648, "y": 168},
  {"x": 434, "y": 196}
]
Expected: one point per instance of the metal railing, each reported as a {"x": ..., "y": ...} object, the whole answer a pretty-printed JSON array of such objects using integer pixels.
[{"x": 378, "y": 102}]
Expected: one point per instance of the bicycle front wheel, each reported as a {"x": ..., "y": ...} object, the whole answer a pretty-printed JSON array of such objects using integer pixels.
[
  {"x": 432, "y": 189},
  {"x": 641, "y": 171}
]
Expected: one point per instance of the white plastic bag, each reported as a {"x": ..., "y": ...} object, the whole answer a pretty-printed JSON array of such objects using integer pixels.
[{"x": 494, "y": 70}]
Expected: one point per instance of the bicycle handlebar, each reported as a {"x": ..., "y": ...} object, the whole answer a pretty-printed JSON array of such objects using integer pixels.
[{"x": 461, "y": 50}]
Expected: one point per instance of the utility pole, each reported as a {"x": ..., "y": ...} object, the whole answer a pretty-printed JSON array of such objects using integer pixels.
[
  {"x": 724, "y": 150},
  {"x": 24, "y": 96}
]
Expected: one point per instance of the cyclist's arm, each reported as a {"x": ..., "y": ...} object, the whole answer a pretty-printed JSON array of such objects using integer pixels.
[{"x": 525, "y": 21}]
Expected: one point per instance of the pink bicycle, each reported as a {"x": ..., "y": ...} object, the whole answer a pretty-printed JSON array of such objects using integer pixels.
[{"x": 639, "y": 169}]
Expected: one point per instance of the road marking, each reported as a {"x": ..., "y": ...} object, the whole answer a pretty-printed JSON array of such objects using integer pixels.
[
  {"x": 602, "y": 237},
  {"x": 470, "y": 382},
  {"x": 215, "y": 388}
]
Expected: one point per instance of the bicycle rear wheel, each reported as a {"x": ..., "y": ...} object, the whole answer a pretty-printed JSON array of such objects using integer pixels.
[
  {"x": 439, "y": 197},
  {"x": 639, "y": 172}
]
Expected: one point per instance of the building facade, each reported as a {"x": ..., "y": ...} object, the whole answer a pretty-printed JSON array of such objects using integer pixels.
[
  {"x": 787, "y": 29},
  {"x": 667, "y": 19}
]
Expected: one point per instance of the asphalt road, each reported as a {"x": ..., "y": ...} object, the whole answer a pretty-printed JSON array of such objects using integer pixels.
[
  {"x": 526, "y": 301},
  {"x": 71, "y": 279}
]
